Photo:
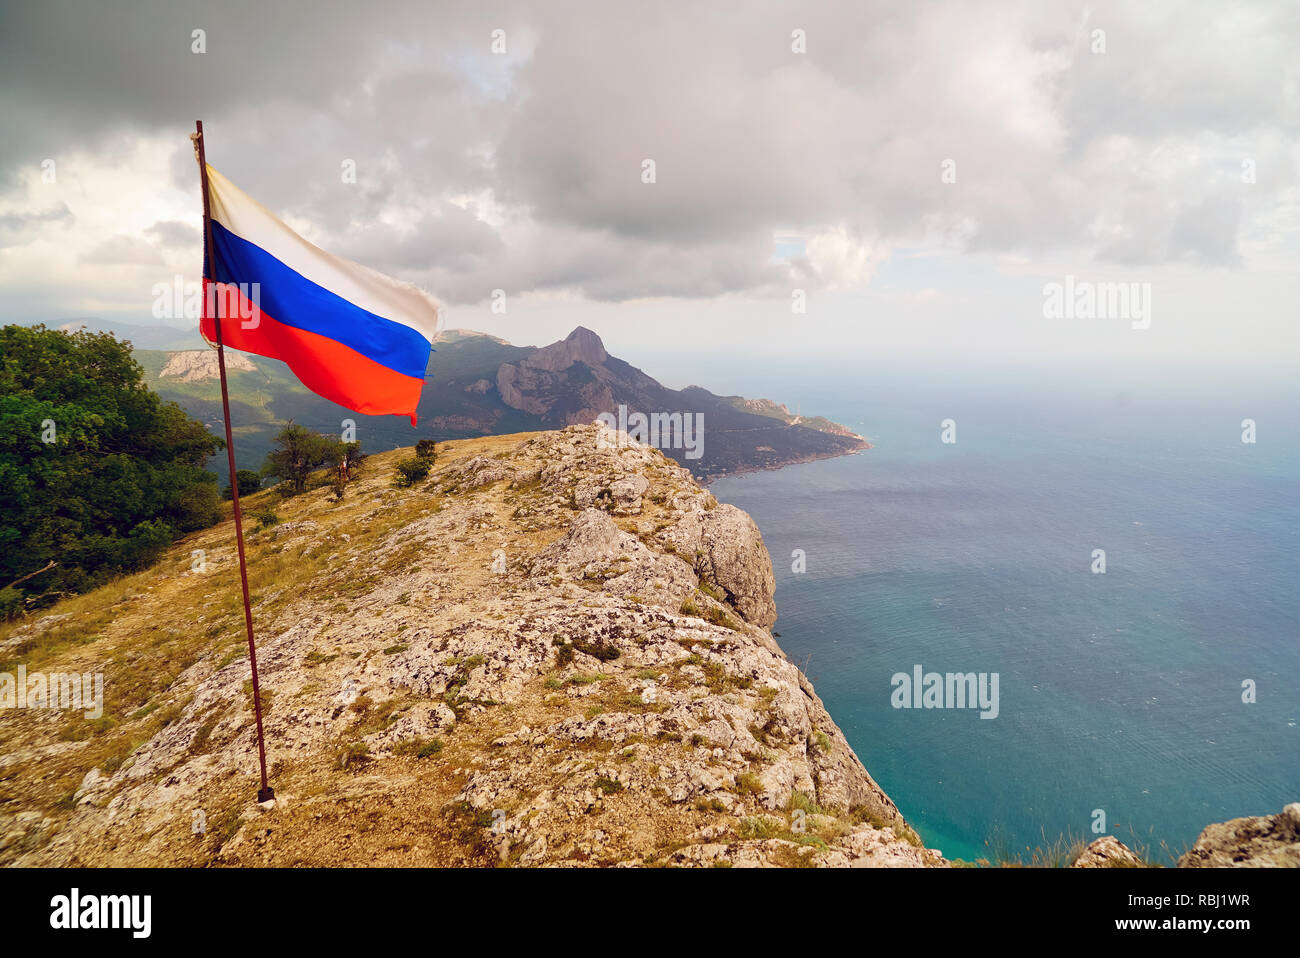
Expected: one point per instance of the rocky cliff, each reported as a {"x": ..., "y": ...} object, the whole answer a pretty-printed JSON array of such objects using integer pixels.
[
  {"x": 197, "y": 365},
  {"x": 555, "y": 650},
  {"x": 1258, "y": 841}
]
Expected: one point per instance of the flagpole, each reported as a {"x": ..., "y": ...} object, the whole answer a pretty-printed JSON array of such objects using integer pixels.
[{"x": 265, "y": 793}]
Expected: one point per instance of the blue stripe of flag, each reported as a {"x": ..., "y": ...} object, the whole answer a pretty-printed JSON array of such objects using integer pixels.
[{"x": 292, "y": 299}]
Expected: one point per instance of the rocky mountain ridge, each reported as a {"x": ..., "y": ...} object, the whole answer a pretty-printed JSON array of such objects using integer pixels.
[
  {"x": 556, "y": 650},
  {"x": 479, "y": 385}
]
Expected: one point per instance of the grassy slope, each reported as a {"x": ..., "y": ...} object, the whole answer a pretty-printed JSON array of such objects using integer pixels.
[{"x": 144, "y": 630}]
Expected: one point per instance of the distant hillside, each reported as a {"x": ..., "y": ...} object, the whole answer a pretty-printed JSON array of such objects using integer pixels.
[
  {"x": 765, "y": 407},
  {"x": 141, "y": 337},
  {"x": 479, "y": 385}
]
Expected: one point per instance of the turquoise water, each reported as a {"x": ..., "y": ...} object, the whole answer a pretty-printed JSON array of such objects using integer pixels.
[{"x": 1120, "y": 692}]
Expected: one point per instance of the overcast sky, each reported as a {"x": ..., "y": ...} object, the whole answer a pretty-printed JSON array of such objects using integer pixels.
[{"x": 920, "y": 170}]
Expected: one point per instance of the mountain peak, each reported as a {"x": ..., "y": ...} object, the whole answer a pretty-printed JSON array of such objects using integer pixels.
[{"x": 581, "y": 345}]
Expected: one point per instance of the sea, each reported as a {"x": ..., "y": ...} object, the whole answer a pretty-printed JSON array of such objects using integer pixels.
[{"x": 1145, "y": 697}]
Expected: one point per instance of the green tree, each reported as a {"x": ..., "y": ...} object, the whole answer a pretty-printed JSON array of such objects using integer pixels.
[
  {"x": 200, "y": 506},
  {"x": 347, "y": 460},
  {"x": 297, "y": 454},
  {"x": 347, "y": 457},
  {"x": 99, "y": 474},
  {"x": 249, "y": 482}
]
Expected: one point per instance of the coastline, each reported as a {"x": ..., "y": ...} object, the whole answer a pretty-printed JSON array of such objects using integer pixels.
[{"x": 794, "y": 461}]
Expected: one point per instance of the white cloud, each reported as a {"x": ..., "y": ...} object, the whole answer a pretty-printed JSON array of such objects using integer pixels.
[{"x": 522, "y": 172}]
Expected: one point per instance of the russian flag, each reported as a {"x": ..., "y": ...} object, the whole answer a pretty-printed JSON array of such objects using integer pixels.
[{"x": 352, "y": 335}]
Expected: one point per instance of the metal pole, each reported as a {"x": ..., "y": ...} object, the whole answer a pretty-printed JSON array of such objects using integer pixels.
[{"x": 265, "y": 793}]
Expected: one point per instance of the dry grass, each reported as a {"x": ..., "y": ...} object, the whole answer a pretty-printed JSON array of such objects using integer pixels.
[{"x": 145, "y": 630}]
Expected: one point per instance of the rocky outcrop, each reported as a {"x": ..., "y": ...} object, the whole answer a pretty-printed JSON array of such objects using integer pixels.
[
  {"x": 1262, "y": 841},
  {"x": 1107, "y": 852},
  {"x": 725, "y": 547},
  {"x": 553, "y": 652},
  {"x": 595, "y": 549},
  {"x": 195, "y": 365}
]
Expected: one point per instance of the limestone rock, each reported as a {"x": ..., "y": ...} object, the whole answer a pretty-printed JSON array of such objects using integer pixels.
[
  {"x": 1107, "y": 852},
  {"x": 595, "y": 550},
  {"x": 195, "y": 365},
  {"x": 726, "y": 548},
  {"x": 1262, "y": 841},
  {"x": 627, "y": 492}
]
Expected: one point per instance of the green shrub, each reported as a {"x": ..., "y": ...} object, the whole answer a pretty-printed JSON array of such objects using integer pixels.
[
  {"x": 563, "y": 653},
  {"x": 420, "y": 747},
  {"x": 11, "y": 603},
  {"x": 352, "y": 755},
  {"x": 412, "y": 470},
  {"x": 757, "y": 827},
  {"x": 265, "y": 518},
  {"x": 249, "y": 482},
  {"x": 598, "y": 648},
  {"x": 200, "y": 506}
]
